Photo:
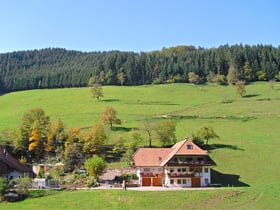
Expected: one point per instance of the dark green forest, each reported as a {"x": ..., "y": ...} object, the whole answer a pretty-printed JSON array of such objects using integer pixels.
[{"x": 58, "y": 68}]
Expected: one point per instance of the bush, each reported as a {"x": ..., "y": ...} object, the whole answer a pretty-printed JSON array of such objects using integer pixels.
[
  {"x": 22, "y": 185},
  {"x": 157, "y": 81},
  {"x": 91, "y": 182}
]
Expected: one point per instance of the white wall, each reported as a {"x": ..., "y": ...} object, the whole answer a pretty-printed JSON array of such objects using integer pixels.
[{"x": 205, "y": 175}]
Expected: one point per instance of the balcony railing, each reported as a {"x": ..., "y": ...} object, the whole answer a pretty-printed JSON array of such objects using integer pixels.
[
  {"x": 150, "y": 174},
  {"x": 184, "y": 174},
  {"x": 191, "y": 163}
]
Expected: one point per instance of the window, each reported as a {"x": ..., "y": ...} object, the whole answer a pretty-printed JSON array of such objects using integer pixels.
[
  {"x": 184, "y": 169},
  {"x": 171, "y": 181},
  {"x": 189, "y": 146},
  {"x": 171, "y": 170},
  {"x": 206, "y": 181},
  {"x": 184, "y": 181},
  {"x": 206, "y": 170},
  {"x": 179, "y": 170},
  {"x": 179, "y": 181},
  {"x": 146, "y": 169}
]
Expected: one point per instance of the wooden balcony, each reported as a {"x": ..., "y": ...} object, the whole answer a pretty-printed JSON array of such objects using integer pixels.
[
  {"x": 192, "y": 163},
  {"x": 150, "y": 174},
  {"x": 184, "y": 174}
]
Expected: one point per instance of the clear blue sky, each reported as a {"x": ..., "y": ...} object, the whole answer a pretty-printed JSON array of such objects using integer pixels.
[{"x": 136, "y": 25}]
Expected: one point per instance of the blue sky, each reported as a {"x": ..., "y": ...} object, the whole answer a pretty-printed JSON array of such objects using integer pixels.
[{"x": 136, "y": 25}]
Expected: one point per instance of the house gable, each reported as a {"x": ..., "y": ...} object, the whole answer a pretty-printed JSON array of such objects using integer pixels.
[{"x": 10, "y": 163}]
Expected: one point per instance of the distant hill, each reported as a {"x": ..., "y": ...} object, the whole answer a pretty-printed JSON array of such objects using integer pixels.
[{"x": 56, "y": 67}]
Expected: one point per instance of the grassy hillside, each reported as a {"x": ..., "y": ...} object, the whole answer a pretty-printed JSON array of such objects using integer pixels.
[{"x": 246, "y": 153}]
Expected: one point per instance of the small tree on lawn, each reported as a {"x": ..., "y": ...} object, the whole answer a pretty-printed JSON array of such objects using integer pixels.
[
  {"x": 109, "y": 116},
  {"x": 97, "y": 91},
  {"x": 95, "y": 166},
  {"x": 207, "y": 132},
  {"x": 149, "y": 127},
  {"x": 240, "y": 88}
]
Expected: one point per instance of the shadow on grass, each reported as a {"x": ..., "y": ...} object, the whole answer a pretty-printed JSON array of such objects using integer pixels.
[
  {"x": 227, "y": 179},
  {"x": 251, "y": 95},
  {"x": 41, "y": 193},
  {"x": 121, "y": 129},
  {"x": 110, "y": 100},
  {"x": 220, "y": 146}
]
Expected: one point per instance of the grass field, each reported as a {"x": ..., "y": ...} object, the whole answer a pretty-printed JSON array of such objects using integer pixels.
[{"x": 247, "y": 152}]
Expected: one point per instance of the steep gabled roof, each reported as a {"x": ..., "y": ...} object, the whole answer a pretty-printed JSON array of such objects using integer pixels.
[
  {"x": 11, "y": 161},
  {"x": 160, "y": 156},
  {"x": 185, "y": 147}
]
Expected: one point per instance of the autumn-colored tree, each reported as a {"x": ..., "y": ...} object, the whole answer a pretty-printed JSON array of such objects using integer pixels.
[
  {"x": 56, "y": 139},
  {"x": 193, "y": 78},
  {"x": 232, "y": 76},
  {"x": 94, "y": 139},
  {"x": 97, "y": 91},
  {"x": 240, "y": 88},
  {"x": 220, "y": 79},
  {"x": 36, "y": 144},
  {"x": 34, "y": 125},
  {"x": 73, "y": 155},
  {"x": 109, "y": 116},
  {"x": 121, "y": 76},
  {"x": 166, "y": 132}
]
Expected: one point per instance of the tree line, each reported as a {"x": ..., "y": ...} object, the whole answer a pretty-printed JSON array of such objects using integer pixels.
[{"x": 57, "y": 68}]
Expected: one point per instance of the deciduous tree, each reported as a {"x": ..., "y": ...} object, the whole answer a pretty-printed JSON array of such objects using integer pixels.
[
  {"x": 232, "y": 76},
  {"x": 73, "y": 155},
  {"x": 149, "y": 127},
  {"x": 32, "y": 134},
  {"x": 121, "y": 77},
  {"x": 97, "y": 91},
  {"x": 207, "y": 132},
  {"x": 240, "y": 88},
  {"x": 95, "y": 166},
  {"x": 166, "y": 132},
  {"x": 193, "y": 78},
  {"x": 95, "y": 139},
  {"x": 109, "y": 116}
]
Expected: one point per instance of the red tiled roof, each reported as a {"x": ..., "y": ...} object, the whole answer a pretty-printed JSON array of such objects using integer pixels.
[
  {"x": 7, "y": 159},
  {"x": 160, "y": 156},
  {"x": 181, "y": 148},
  {"x": 150, "y": 156}
]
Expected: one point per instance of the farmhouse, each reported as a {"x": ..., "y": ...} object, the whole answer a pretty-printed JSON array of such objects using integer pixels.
[
  {"x": 10, "y": 167},
  {"x": 183, "y": 165}
]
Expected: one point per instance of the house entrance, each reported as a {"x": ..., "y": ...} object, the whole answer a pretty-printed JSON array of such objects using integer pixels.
[
  {"x": 195, "y": 181},
  {"x": 146, "y": 181}
]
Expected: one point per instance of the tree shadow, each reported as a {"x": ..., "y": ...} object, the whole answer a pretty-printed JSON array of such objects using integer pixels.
[
  {"x": 121, "y": 129},
  {"x": 227, "y": 179},
  {"x": 251, "y": 95},
  {"x": 220, "y": 146},
  {"x": 110, "y": 100}
]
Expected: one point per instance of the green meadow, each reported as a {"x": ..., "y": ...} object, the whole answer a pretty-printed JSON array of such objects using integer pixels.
[{"x": 247, "y": 152}]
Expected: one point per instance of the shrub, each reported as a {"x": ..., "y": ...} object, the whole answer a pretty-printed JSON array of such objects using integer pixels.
[{"x": 157, "y": 81}]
